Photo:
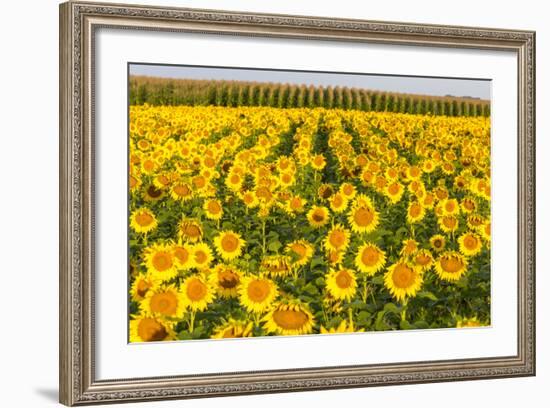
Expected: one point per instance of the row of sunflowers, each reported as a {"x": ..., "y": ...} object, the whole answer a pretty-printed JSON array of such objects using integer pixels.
[{"x": 254, "y": 221}]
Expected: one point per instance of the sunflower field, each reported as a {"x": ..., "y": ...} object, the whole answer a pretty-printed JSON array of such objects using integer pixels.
[{"x": 256, "y": 221}]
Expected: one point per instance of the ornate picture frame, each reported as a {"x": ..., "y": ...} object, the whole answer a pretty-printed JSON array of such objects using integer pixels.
[{"x": 79, "y": 22}]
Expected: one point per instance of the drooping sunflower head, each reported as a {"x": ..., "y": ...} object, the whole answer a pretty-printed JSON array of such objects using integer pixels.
[
  {"x": 318, "y": 216},
  {"x": 325, "y": 191},
  {"x": 140, "y": 286},
  {"x": 143, "y": 220},
  {"x": 229, "y": 245},
  {"x": 190, "y": 230},
  {"x": 370, "y": 258},
  {"x": 337, "y": 239},
  {"x": 448, "y": 223},
  {"x": 181, "y": 191},
  {"x": 145, "y": 328},
  {"x": 232, "y": 329},
  {"x": 289, "y": 318},
  {"x": 160, "y": 262},
  {"x": 213, "y": 209},
  {"x": 165, "y": 301},
  {"x": 300, "y": 252},
  {"x": 226, "y": 280},
  {"x": 403, "y": 279},
  {"x": 197, "y": 293},
  {"x": 451, "y": 265},
  {"x": 470, "y": 244},
  {"x": 341, "y": 283},
  {"x": 257, "y": 294},
  {"x": 276, "y": 265},
  {"x": 468, "y": 205},
  {"x": 151, "y": 193}
]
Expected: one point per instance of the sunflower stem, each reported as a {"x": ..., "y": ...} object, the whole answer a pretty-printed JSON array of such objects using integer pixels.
[
  {"x": 404, "y": 311},
  {"x": 192, "y": 322},
  {"x": 263, "y": 235}
]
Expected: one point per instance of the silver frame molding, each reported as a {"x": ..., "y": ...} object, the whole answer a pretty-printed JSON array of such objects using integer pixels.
[{"x": 78, "y": 22}]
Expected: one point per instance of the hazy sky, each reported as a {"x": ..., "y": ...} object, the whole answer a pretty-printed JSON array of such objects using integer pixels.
[{"x": 405, "y": 84}]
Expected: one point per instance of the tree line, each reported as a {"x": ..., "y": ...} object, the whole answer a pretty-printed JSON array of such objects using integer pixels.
[{"x": 167, "y": 91}]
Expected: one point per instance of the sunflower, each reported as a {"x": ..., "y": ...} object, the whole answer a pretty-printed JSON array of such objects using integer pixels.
[
  {"x": 335, "y": 257},
  {"x": 470, "y": 244},
  {"x": 343, "y": 327},
  {"x": 468, "y": 205},
  {"x": 145, "y": 328},
  {"x": 160, "y": 262},
  {"x": 289, "y": 318},
  {"x": 201, "y": 255},
  {"x": 183, "y": 256},
  {"x": 300, "y": 252},
  {"x": 338, "y": 202},
  {"x": 468, "y": 322},
  {"x": 141, "y": 285},
  {"x": 437, "y": 242},
  {"x": 152, "y": 194},
  {"x": 234, "y": 181},
  {"x": 423, "y": 259},
  {"x": 450, "y": 266},
  {"x": 394, "y": 191},
  {"x": 163, "y": 301},
  {"x": 341, "y": 284},
  {"x": 233, "y": 329},
  {"x": 197, "y": 293},
  {"x": 410, "y": 246},
  {"x": 318, "y": 216},
  {"x": 181, "y": 191},
  {"x": 348, "y": 190},
  {"x": 213, "y": 209},
  {"x": 337, "y": 239},
  {"x": 257, "y": 294},
  {"x": 485, "y": 231},
  {"x": 450, "y": 206},
  {"x": 363, "y": 218},
  {"x": 143, "y": 220},
  {"x": 403, "y": 279},
  {"x": 190, "y": 230},
  {"x": 226, "y": 280},
  {"x": 370, "y": 258},
  {"x": 249, "y": 199},
  {"x": 325, "y": 191},
  {"x": 318, "y": 162},
  {"x": 295, "y": 204},
  {"x": 229, "y": 245},
  {"x": 448, "y": 223},
  {"x": 415, "y": 212},
  {"x": 276, "y": 265}
]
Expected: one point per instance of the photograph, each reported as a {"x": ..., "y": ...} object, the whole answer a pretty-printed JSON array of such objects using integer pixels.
[{"x": 283, "y": 203}]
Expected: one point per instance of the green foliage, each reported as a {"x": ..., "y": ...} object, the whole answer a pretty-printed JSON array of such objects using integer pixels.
[{"x": 165, "y": 91}]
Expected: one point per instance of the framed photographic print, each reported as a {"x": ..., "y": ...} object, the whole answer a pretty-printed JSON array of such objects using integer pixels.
[{"x": 262, "y": 203}]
